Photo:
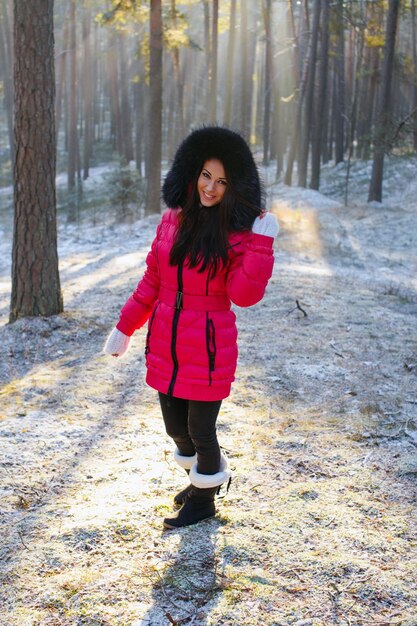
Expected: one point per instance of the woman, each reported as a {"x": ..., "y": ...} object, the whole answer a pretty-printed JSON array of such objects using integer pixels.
[{"x": 213, "y": 247}]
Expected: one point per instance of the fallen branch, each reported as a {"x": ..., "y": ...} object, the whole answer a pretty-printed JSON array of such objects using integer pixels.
[
  {"x": 299, "y": 307},
  {"x": 336, "y": 351},
  {"x": 21, "y": 539}
]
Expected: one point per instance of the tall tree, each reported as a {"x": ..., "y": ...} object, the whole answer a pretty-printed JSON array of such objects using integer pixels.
[
  {"x": 61, "y": 75},
  {"x": 301, "y": 83},
  {"x": 72, "y": 115},
  {"x": 153, "y": 195},
  {"x": 230, "y": 62},
  {"x": 339, "y": 92},
  {"x": 414, "y": 75},
  {"x": 245, "y": 89},
  {"x": 320, "y": 102},
  {"x": 354, "y": 106},
  {"x": 35, "y": 277},
  {"x": 6, "y": 70},
  {"x": 268, "y": 82},
  {"x": 383, "y": 115},
  {"x": 112, "y": 75},
  {"x": 126, "y": 124},
  {"x": 213, "y": 61},
  {"x": 88, "y": 93},
  {"x": 178, "y": 130},
  {"x": 309, "y": 95}
]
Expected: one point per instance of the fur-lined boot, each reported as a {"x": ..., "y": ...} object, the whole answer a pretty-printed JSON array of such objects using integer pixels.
[{"x": 199, "y": 501}]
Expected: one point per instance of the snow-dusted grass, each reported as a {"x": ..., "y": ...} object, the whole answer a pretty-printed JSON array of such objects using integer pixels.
[{"x": 319, "y": 526}]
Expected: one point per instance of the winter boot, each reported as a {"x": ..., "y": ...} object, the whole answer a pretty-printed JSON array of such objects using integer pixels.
[
  {"x": 199, "y": 501},
  {"x": 186, "y": 462},
  {"x": 180, "y": 497},
  {"x": 198, "y": 505}
]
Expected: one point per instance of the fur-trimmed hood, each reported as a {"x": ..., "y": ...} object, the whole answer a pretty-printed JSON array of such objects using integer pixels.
[{"x": 216, "y": 142}]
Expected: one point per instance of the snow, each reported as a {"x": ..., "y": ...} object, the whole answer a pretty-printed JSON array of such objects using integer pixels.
[{"x": 320, "y": 430}]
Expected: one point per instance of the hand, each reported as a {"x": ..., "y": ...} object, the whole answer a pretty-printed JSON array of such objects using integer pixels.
[
  {"x": 266, "y": 224},
  {"x": 117, "y": 343}
]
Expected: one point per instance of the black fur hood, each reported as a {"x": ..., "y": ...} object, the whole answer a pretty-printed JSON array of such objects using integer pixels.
[{"x": 216, "y": 142}]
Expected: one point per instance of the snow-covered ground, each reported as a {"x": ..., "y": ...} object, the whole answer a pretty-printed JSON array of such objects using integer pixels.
[{"x": 319, "y": 527}]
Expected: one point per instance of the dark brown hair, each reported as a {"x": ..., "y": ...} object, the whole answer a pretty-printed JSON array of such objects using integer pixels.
[{"x": 203, "y": 234}]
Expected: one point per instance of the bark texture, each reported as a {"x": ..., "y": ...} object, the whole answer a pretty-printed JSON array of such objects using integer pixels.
[
  {"x": 383, "y": 116},
  {"x": 35, "y": 278},
  {"x": 153, "y": 196}
]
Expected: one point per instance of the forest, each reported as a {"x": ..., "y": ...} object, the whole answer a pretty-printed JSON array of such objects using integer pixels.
[
  {"x": 319, "y": 526},
  {"x": 307, "y": 83}
]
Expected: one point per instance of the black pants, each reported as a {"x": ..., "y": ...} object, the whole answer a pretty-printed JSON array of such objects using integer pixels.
[{"x": 192, "y": 425}]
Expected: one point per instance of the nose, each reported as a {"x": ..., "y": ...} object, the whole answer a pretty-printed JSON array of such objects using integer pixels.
[{"x": 211, "y": 185}]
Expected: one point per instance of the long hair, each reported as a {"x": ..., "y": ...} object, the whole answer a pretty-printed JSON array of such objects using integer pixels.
[{"x": 202, "y": 238}]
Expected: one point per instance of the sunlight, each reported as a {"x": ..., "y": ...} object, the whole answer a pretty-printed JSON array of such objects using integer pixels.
[
  {"x": 131, "y": 259},
  {"x": 109, "y": 274},
  {"x": 113, "y": 491},
  {"x": 42, "y": 379},
  {"x": 5, "y": 287},
  {"x": 78, "y": 262},
  {"x": 314, "y": 270},
  {"x": 54, "y": 381},
  {"x": 302, "y": 225}
]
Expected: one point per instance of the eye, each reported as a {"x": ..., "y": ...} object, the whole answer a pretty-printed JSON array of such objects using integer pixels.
[
  {"x": 205, "y": 174},
  {"x": 222, "y": 182}
]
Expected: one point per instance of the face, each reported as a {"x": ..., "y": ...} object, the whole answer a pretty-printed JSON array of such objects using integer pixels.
[{"x": 211, "y": 183}]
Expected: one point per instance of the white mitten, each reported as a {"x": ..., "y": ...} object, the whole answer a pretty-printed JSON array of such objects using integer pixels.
[
  {"x": 266, "y": 224},
  {"x": 117, "y": 343}
]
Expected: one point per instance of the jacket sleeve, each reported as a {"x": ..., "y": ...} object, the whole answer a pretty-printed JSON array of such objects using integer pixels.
[
  {"x": 250, "y": 268},
  {"x": 138, "y": 307}
]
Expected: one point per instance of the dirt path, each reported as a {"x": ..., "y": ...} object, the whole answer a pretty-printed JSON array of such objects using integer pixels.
[{"x": 319, "y": 527}]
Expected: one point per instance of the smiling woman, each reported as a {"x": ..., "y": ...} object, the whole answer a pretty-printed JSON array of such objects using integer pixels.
[
  {"x": 211, "y": 183},
  {"x": 213, "y": 248}
]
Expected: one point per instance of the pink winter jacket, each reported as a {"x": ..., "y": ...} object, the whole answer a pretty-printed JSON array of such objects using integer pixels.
[{"x": 191, "y": 345}]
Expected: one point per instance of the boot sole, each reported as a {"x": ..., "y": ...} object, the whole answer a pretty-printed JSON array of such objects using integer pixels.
[{"x": 172, "y": 527}]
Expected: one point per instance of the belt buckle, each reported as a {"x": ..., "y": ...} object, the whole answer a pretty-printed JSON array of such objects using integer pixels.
[{"x": 178, "y": 300}]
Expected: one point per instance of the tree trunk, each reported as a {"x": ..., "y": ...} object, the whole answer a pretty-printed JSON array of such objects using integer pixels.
[
  {"x": 137, "y": 107},
  {"x": 414, "y": 75},
  {"x": 230, "y": 65},
  {"x": 88, "y": 94},
  {"x": 72, "y": 117},
  {"x": 267, "y": 81},
  {"x": 320, "y": 103},
  {"x": 339, "y": 126},
  {"x": 113, "y": 78},
  {"x": 179, "y": 130},
  {"x": 126, "y": 116},
  {"x": 153, "y": 194},
  {"x": 245, "y": 97},
  {"x": 308, "y": 104},
  {"x": 364, "y": 149},
  {"x": 35, "y": 278},
  {"x": 6, "y": 64},
  {"x": 301, "y": 82},
  {"x": 213, "y": 61},
  {"x": 207, "y": 40},
  {"x": 383, "y": 115},
  {"x": 61, "y": 78},
  {"x": 354, "y": 108}
]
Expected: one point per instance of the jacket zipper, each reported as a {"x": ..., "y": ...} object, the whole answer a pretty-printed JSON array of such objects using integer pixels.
[
  {"x": 148, "y": 334},
  {"x": 211, "y": 345},
  {"x": 178, "y": 306}
]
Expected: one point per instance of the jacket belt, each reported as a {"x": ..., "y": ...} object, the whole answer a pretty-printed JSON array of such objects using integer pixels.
[{"x": 192, "y": 302}]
